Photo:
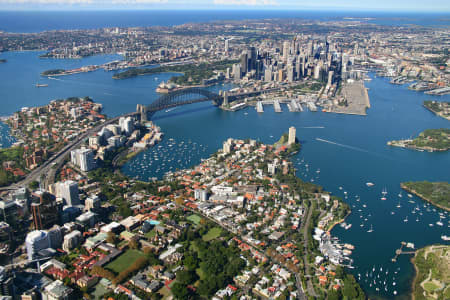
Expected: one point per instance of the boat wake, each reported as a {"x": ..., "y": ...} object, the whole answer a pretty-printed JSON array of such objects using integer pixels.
[
  {"x": 342, "y": 145},
  {"x": 313, "y": 127}
]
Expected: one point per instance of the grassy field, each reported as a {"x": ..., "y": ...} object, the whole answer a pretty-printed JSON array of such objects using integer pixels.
[
  {"x": 124, "y": 260},
  {"x": 432, "y": 278},
  {"x": 194, "y": 219},
  {"x": 150, "y": 234},
  {"x": 212, "y": 234},
  {"x": 430, "y": 287}
]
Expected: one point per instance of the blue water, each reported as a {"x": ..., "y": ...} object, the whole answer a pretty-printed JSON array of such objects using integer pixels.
[
  {"x": 359, "y": 155},
  {"x": 36, "y": 21}
]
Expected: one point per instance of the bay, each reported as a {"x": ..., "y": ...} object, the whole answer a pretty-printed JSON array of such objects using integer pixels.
[{"x": 355, "y": 154}]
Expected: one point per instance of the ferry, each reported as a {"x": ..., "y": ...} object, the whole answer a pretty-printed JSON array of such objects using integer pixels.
[{"x": 369, "y": 184}]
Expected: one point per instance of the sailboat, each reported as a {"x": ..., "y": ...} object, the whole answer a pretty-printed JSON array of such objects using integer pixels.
[
  {"x": 371, "y": 229},
  {"x": 406, "y": 219},
  {"x": 398, "y": 205},
  {"x": 384, "y": 191}
]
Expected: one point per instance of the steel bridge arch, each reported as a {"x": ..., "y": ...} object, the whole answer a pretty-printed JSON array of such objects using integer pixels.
[{"x": 183, "y": 97}]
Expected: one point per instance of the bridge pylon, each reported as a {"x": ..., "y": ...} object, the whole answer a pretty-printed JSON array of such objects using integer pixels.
[{"x": 142, "y": 110}]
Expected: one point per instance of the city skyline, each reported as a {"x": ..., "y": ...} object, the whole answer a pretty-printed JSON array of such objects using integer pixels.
[{"x": 435, "y": 6}]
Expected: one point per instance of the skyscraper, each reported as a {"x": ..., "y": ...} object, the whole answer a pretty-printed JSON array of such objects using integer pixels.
[
  {"x": 244, "y": 62},
  {"x": 45, "y": 210},
  {"x": 35, "y": 241},
  {"x": 237, "y": 73},
  {"x": 285, "y": 51},
  {"x": 68, "y": 190},
  {"x": 83, "y": 158},
  {"x": 291, "y": 139}
]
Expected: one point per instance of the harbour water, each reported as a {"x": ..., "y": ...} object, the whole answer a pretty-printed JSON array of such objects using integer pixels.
[{"x": 348, "y": 150}]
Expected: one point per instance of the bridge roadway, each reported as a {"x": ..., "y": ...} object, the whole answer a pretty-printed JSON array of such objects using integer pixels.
[{"x": 59, "y": 156}]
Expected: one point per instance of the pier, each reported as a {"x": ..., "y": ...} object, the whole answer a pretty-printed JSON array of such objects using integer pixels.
[
  {"x": 293, "y": 106},
  {"x": 276, "y": 106},
  {"x": 259, "y": 107},
  {"x": 400, "y": 250}
]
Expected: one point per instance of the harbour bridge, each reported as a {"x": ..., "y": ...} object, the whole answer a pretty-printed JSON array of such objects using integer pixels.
[
  {"x": 179, "y": 98},
  {"x": 190, "y": 96}
]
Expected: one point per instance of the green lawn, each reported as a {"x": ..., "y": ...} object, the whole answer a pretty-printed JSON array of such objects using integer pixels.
[
  {"x": 150, "y": 234},
  {"x": 124, "y": 260},
  {"x": 99, "y": 291},
  {"x": 430, "y": 287},
  {"x": 212, "y": 234},
  {"x": 194, "y": 219}
]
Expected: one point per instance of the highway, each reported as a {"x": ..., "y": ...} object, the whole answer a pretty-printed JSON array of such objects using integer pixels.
[{"x": 59, "y": 156}]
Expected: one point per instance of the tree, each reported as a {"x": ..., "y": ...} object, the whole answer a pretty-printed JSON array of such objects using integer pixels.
[
  {"x": 186, "y": 277},
  {"x": 191, "y": 261},
  {"x": 180, "y": 291},
  {"x": 112, "y": 238},
  {"x": 133, "y": 244},
  {"x": 33, "y": 185}
]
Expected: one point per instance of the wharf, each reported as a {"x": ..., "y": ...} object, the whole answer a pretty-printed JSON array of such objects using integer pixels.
[
  {"x": 277, "y": 106},
  {"x": 259, "y": 107},
  {"x": 357, "y": 99},
  {"x": 400, "y": 250}
]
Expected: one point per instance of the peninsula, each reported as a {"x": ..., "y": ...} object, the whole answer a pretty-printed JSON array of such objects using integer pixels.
[
  {"x": 437, "y": 193},
  {"x": 441, "y": 109},
  {"x": 430, "y": 140},
  {"x": 432, "y": 277}
]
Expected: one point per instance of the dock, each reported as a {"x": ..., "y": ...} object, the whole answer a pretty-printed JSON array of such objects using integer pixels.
[
  {"x": 277, "y": 106},
  {"x": 259, "y": 107},
  {"x": 293, "y": 106},
  {"x": 311, "y": 106},
  {"x": 400, "y": 250}
]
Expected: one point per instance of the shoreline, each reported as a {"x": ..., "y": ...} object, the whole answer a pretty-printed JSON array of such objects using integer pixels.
[
  {"x": 416, "y": 270},
  {"x": 412, "y": 147},
  {"x": 423, "y": 197},
  {"x": 436, "y": 112}
]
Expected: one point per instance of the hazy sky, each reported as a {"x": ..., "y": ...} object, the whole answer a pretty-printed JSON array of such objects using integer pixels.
[{"x": 396, "y": 5}]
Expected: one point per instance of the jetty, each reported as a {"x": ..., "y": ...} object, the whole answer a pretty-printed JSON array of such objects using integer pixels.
[
  {"x": 259, "y": 107},
  {"x": 277, "y": 106},
  {"x": 400, "y": 250}
]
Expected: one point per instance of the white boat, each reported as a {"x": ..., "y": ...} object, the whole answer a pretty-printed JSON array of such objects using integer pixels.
[
  {"x": 371, "y": 229},
  {"x": 439, "y": 223},
  {"x": 445, "y": 238},
  {"x": 384, "y": 191},
  {"x": 398, "y": 205},
  {"x": 406, "y": 219},
  {"x": 410, "y": 196},
  {"x": 369, "y": 184}
]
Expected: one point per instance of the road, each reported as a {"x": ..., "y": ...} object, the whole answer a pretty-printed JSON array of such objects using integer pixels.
[
  {"x": 58, "y": 157},
  {"x": 310, "y": 287}
]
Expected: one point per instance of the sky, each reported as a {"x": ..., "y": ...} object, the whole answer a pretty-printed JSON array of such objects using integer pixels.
[{"x": 363, "y": 5}]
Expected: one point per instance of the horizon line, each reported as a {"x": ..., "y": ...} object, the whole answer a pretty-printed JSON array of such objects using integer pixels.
[{"x": 327, "y": 9}]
